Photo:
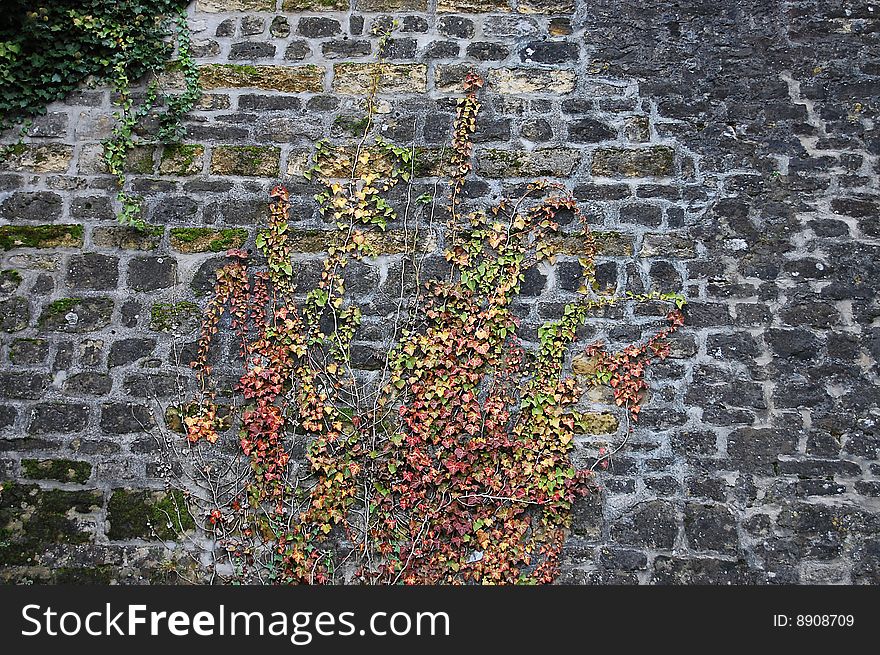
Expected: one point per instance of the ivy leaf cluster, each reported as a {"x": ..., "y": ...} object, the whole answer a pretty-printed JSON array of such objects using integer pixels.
[{"x": 48, "y": 49}]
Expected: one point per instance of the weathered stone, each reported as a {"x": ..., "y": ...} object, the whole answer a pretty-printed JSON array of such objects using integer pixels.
[
  {"x": 88, "y": 383},
  {"x": 589, "y": 130},
  {"x": 203, "y": 239},
  {"x": 151, "y": 273},
  {"x": 354, "y": 78},
  {"x": 93, "y": 271},
  {"x": 126, "y": 351},
  {"x": 287, "y": 79},
  {"x": 314, "y": 5},
  {"x": 179, "y": 317},
  {"x": 520, "y": 81},
  {"x": 246, "y": 161},
  {"x": 15, "y": 314},
  {"x": 36, "y": 206},
  {"x": 656, "y": 161},
  {"x": 124, "y": 418},
  {"x": 31, "y": 519},
  {"x": 651, "y": 524},
  {"x": 148, "y": 514},
  {"x": 58, "y": 417},
  {"x": 667, "y": 245},
  {"x": 710, "y": 527},
  {"x": 391, "y": 5},
  {"x": 554, "y": 162},
  {"x": 127, "y": 238},
  {"x": 545, "y": 6},
  {"x": 40, "y": 236},
  {"x": 182, "y": 159},
  {"x": 36, "y": 158},
  {"x": 217, "y": 6},
  {"x": 60, "y": 470},
  {"x": 550, "y": 52},
  {"x": 77, "y": 314},
  {"x": 251, "y": 50},
  {"x": 595, "y": 422},
  {"x": 28, "y": 351}
]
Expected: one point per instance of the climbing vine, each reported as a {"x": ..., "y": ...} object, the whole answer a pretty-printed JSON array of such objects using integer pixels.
[
  {"x": 455, "y": 465},
  {"x": 48, "y": 50}
]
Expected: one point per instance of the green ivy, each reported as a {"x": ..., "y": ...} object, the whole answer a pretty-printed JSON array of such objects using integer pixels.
[{"x": 48, "y": 49}]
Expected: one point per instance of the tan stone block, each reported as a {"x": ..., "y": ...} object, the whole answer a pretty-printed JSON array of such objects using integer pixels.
[
  {"x": 247, "y": 161},
  {"x": 218, "y": 6},
  {"x": 356, "y": 79},
  {"x": 45, "y": 158},
  {"x": 286, "y": 79},
  {"x": 529, "y": 80},
  {"x": 182, "y": 159}
]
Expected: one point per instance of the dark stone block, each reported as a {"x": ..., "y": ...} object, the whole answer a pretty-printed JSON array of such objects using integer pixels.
[
  {"x": 710, "y": 527},
  {"x": 124, "y": 418},
  {"x": 549, "y": 52},
  {"x": 126, "y": 351},
  {"x": 652, "y": 523},
  {"x": 152, "y": 273},
  {"x": 677, "y": 571},
  {"x": 456, "y": 26},
  {"x": 93, "y": 271},
  {"x": 589, "y": 130},
  {"x": 47, "y": 418},
  {"x": 317, "y": 27},
  {"x": 250, "y": 50},
  {"x": 88, "y": 383},
  {"x": 487, "y": 51},
  {"x": 28, "y": 351},
  {"x": 38, "y": 206}
]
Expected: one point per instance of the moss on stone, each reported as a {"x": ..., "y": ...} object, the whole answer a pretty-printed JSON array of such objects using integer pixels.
[
  {"x": 315, "y": 5},
  {"x": 10, "y": 279},
  {"x": 32, "y": 519},
  {"x": 181, "y": 159},
  {"x": 144, "y": 514},
  {"x": 351, "y": 125},
  {"x": 60, "y": 306},
  {"x": 247, "y": 161},
  {"x": 595, "y": 423},
  {"x": 139, "y": 160},
  {"x": 167, "y": 316},
  {"x": 41, "y": 236},
  {"x": 287, "y": 79},
  {"x": 204, "y": 239},
  {"x": 62, "y": 470},
  {"x": 128, "y": 238},
  {"x": 102, "y": 575}
]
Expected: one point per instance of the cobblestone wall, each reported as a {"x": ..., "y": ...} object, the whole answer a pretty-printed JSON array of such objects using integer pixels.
[{"x": 729, "y": 149}]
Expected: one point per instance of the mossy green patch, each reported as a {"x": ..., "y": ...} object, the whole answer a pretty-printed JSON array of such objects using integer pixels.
[
  {"x": 204, "y": 239},
  {"x": 181, "y": 159},
  {"x": 315, "y": 5},
  {"x": 31, "y": 519},
  {"x": 143, "y": 514},
  {"x": 352, "y": 125},
  {"x": 139, "y": 160},
  {"x": 102, "y": 575},
  {"x": 60, "y": 306},
  {"x": 62, "y": 470},
  {"x": 41, "y": 236},
  {"x": 595, "y": 423},
  {"x": 10, "y": 279},
  {"x": 167, "y": 316}
]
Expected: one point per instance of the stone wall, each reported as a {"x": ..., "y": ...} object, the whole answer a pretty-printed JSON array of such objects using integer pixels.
[{"x": 729, "y": 149}]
